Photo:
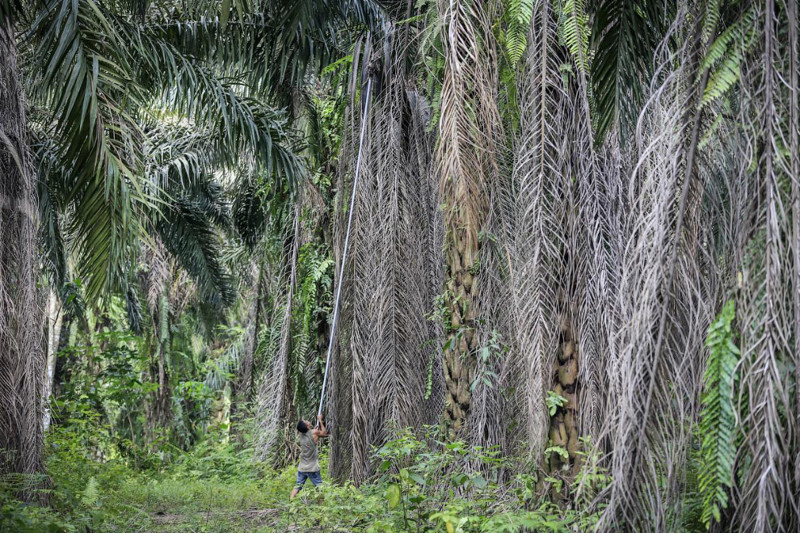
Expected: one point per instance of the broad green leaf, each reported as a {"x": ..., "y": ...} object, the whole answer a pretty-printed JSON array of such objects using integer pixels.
[{"x": 393, "y": 495}]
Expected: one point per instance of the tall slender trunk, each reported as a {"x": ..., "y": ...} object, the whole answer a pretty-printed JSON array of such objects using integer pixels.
[
  {"x": 164, "y": 346},
  {"x": 21, "y": 332},
  {"x": 469, "y": 133},
  {"x": 160, "y": 409},
  {"x": 242, "y": 385},
  {"x": 54, "y": 320}
]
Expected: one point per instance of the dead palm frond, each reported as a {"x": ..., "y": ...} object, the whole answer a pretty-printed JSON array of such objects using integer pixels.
[
  {"x": 394, "y": 269},
  {"x": 767, "y": 262},
  {"x": 22, "y": 356},
  {"x": 272, "y": 405},
  {"x": 664, "y": 303},
  {"x": 541, "y": 183},
  {"x": 470, "y": 132}
]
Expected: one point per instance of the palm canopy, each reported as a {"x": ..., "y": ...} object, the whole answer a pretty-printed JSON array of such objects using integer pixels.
[{"x": 114, "y": 98}]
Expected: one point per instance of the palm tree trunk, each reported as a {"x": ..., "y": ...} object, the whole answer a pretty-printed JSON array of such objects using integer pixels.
[
  {"x": 242, "y": 386},
  {"x": 54, "y": 321},
  {"x": 21, "y": 342},
  {"x": 461, "y": 342},
  {"x": 164, "y": 400},
  {"x": 160, "y": 409},
  {"x": 469, "y": 132}
]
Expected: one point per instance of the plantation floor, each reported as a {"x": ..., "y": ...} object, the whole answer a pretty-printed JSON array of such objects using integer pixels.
[
  {"x": 211, "y": 506},
  {"x": 214, "y": 521},
  {"x": 215, "y": 489}
]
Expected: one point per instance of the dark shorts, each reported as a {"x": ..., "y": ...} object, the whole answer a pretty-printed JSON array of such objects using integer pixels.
[{"x": 315, "y": 477}]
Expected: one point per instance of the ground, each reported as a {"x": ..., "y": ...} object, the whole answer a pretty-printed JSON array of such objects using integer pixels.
[{"x": 212, "y": 506}]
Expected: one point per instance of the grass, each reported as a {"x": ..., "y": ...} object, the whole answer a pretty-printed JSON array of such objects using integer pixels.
[
  {"x": 218, "y": 488},
  {"x": 176, "y": 504},
  {"x": 194, "y": 505}
]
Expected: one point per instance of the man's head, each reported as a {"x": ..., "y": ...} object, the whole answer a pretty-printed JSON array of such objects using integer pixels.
[{"x": 303, "y": 426}]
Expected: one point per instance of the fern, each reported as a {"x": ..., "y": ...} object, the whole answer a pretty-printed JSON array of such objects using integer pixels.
[
  {"x": 518, "y": 14},
  {"x": 726, "y": 54},
  {"x": 574, "y": 32},
  {"x": 718, "y": 416},
  {"x": 91, "y": 494},
  {"x": 711, "y": 20}
]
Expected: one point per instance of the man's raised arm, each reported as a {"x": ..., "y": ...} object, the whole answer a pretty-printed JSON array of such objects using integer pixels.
[{"x": 321, "y": 432}]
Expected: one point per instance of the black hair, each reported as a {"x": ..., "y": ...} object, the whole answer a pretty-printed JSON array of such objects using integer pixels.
[{"x": 302, "y": 427}]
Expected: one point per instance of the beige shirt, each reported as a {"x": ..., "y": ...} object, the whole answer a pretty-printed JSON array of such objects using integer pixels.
[{"x": 309, "y": 462}]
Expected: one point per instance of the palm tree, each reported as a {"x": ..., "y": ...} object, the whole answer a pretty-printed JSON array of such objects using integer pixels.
[
  {"x": 21, "y": 354},
  {"x": 93, "y": 103},
  {"x": 469, "y": 141},
  {"x": 620, "y": 236}
]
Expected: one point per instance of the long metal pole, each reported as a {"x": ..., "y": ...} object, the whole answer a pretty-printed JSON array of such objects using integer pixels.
[{"x": 364, "y": 119}]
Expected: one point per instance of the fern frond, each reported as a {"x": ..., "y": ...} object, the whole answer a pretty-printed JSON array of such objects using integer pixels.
[
  {"x": 574, "y": 32},
  {"x": 721, "y": 44},
  {"x": 518, "y": 15},
  {"x": 726, "y": 54},
  {"x": 722, "y": 79},
  {"x": 711, "y": 19},
  {"x": 718, "y": 416}
]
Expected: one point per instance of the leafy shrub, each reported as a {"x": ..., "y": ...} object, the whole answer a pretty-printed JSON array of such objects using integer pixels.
[
  {"x": 425, "y": 484},
  {"x": 422, "y": 483}
]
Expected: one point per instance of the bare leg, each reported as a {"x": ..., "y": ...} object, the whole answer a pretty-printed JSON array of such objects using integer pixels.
[{"x": 294, "y": 493}]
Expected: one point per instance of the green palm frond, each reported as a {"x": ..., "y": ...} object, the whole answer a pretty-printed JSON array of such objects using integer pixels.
[
  {"x": 85, "y": 81},
  {"x": 187, "y": 230},
  {"x": 55, "y": 263},
  {"x": 259, "y": 204},
  {"x": 210, "y": 197},
  {"x": 71, "y": 294},
  {"x": 176, "y": 154},
  {"x": 625, "y": 35},
  {"x": 309, "y": 32},
  {"x": 50, "y": 229},
  {"x": 235, "y": 123},
  {"x": 250, "y": 214},
  {"x": 718, "y": 416},
  {"x": 105, "y": 81},
  {"x": 275, "y": 44}
]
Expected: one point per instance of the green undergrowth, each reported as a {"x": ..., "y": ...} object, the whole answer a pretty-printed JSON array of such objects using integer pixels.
[{"x": 419, "y": 485}]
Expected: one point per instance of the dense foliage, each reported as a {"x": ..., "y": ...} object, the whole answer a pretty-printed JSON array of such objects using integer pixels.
[
  {"x": 217, "y": 487},
  {"x": 570, "y": 302}
]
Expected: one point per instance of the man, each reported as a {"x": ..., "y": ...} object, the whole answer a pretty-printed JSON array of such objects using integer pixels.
[{"x": 309, "y": 463}]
